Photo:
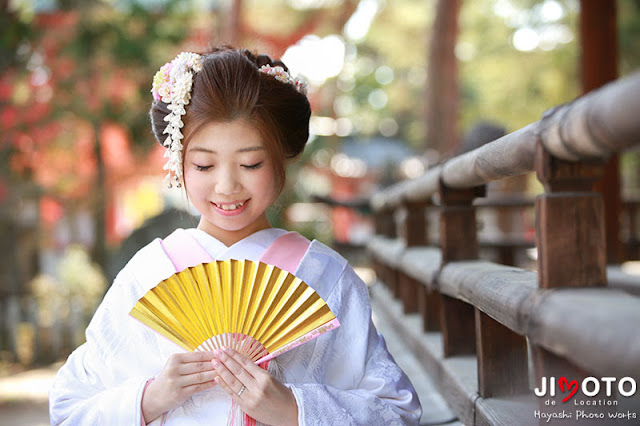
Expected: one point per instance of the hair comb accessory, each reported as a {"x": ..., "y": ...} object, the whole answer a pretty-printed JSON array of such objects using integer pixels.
[
  {"x": 281, "y": 75},
  {"x": 172, "y": 85}
]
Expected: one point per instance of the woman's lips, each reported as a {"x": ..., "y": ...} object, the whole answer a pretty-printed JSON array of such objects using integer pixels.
[{"x": 230, "y": 209}]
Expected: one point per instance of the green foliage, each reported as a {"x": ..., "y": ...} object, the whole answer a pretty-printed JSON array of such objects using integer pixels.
[
  {"x": 502, "y": 84},
  {"x": 16, "y": 31},
  {"x": 629, "y": 35}
]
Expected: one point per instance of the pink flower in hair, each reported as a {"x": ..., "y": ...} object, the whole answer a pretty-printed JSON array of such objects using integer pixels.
[
  {"x": 281, "y": 75},
  {"x": 162, "y": 83}
]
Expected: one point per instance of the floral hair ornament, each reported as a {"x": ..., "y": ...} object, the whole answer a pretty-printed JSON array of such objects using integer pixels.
[
  {"x": 281, "y": 75},
  {"x": 172, "y": 85}
]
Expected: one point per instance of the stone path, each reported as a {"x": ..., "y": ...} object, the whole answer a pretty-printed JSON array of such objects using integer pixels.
[{"x": 24, "y": 397}]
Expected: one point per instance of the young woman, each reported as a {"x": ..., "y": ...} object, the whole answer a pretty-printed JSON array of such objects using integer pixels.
[{"x": 230, "y": 121}]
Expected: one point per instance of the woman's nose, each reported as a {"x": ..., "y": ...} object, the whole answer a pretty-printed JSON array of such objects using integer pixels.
[{"x": 226, "y": 183}]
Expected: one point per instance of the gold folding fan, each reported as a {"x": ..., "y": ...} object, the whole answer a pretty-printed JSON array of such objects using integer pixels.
[{"x": 257, "y": 309}]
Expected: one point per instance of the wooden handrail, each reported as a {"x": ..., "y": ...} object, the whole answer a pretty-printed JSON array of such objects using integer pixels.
[
  {"x": 593, "y": 328},
  {"x": 591, "y": 127},
  {"x": 483, "y": 324}
]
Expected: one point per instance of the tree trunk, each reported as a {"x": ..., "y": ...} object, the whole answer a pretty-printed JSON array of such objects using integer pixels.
[
  {"x": 599, "y": 65},
  {"x": 442, "y": 80},
  {"x": 99, "y": 202},
  {"x": 233, "y": 34}
]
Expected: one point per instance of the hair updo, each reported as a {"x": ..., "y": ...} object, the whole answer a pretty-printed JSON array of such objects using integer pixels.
[{"x": 229, "y": 87}]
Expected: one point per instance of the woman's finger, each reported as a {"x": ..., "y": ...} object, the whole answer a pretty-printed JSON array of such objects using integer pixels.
[
  {"x": 220, "y": 382},
  {"x": 250, "y": 367},
  {"x": 197, "y": 378},
  {"x": 195, "y": 367},
  {"x": 190, "y": 390},
  {"x": 229, "y": 378},
  {"x": 235, "y": 363},
  {"x": 198, "y": 356}
]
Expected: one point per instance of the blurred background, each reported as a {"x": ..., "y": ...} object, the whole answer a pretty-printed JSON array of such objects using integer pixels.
[{"x": 395, "y": 87}]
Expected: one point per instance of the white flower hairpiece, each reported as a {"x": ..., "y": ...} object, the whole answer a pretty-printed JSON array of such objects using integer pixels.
[
  {"x": 281, "y": 75},
  {"x": 172, "y": 85}
]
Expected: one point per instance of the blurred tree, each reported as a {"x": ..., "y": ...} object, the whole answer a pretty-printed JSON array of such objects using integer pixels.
[
  {"x": 106, "y": 44},
  {"x": 381, "y": 87},
  {"x": 87, "y": 68},
  {"x": 629, "y": 61},
  {"x": 442, "y": 95},
  {"x": 233, "y": 25},
  {"x": 258, "y": 30}
]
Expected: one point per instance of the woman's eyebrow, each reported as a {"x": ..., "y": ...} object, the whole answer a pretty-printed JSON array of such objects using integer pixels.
[
  {"x": 251, "y": 148},
  {"x": 203, "y": 149}
]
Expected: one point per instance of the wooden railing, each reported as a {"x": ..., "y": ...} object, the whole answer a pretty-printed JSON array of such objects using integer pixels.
[{"x": 490, "y": 333}]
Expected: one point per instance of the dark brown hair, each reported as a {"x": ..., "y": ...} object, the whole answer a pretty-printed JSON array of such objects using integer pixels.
[{"x": 229, "y": 87}]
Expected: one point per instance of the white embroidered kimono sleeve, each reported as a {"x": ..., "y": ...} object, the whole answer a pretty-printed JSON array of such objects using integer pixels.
[
  {"x": 351, "y": 379},
  {"x": 102, "y": 381}
]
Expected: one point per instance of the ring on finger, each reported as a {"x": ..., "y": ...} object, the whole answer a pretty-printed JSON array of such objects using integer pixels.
[{"x": 241, "y": 390}]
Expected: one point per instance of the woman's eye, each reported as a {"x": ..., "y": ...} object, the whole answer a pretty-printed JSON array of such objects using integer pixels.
[
  {"x": 202, "y": 168},
  {"x": 253, "y": 166}
]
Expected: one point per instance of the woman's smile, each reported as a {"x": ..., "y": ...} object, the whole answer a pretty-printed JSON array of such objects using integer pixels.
[{"x": 230, "y": 209}]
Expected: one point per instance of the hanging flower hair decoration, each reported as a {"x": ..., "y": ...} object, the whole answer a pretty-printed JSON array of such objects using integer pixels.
[
  {"x": 281, "y": 75},
  {"x": 172, "y": 85}
]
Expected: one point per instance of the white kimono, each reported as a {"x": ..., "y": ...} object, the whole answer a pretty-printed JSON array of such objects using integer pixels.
[{"x": 344, "y": 377}]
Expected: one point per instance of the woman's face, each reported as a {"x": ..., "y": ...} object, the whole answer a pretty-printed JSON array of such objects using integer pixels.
[{"x": 230, "y": 180}]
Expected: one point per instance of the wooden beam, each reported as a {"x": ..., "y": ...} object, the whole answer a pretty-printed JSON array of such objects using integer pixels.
[
  {"x": 502, "y": 292},
  {"x": 429, "y": 308},
  {"x": 413, "y": 226},
  {"x": 409, "y": 292},
  {"x": 569, "y": 225},
  {"x": 502, "y": 359},
  {"x": 458, "y": 241}
]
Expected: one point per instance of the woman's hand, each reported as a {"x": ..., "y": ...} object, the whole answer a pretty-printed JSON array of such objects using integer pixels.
[
  {"x": 254, "y": 389},
  {"x": 183, "y": 375}
]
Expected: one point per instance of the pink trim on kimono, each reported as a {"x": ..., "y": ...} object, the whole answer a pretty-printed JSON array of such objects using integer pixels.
[
  {"x": 142, "y": 422},
  {"x": 182, "y": 251},
  {"x": 286, "y": 252}
]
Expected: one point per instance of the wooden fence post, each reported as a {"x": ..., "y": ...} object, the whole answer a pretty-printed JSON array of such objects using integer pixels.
[
  {"x": 378, "y": 264},
  {"x": 570, "y": 237},
  {"x": 429, "y": 307},
  {"x": 502, "y": 359},
  {"x": 502, "y": 353},
  {"x": 385, "y": 226},
  {"x": 569, "y": 224},
  {"x": 458, "y": 241},
  {"x": 412, "y": 229},
  {"x": 391, "y": 231}
]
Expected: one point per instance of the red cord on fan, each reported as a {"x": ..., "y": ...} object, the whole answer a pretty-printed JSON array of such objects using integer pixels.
[{"x": 248, "y": 420}]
